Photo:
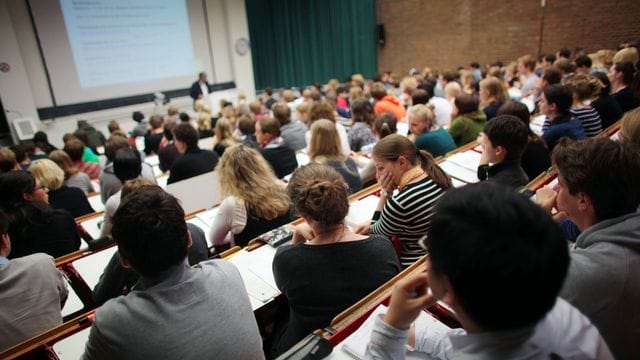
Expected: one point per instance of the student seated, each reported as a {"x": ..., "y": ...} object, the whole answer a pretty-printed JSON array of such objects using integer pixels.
[
  {"x": 555, "y": 102},
  {"x": 329, "y": 267},
  {"x": 492, "y": 96},
  {"x": 71, "y": 199},
  {"x": 277, "y": 153},
  {"x": 503, "y": 140},
  {"x": 254, "y": 199},
  {"x": 630, "y": 130},
  {"x": 501, "y": 282},
  {"x": 73, "y": 177},
  {"x": 467, "y": 121},
  {"x": 74, "y": 147},
  {"x": 33, "y": 225},
  {"x": 175, "y": 311},
  {"x": 361, "y": 133},
  {"x": 153, "y": 138},
  {"x": 109, "y": 182},
  {"x": 382, "y": 102},
  {"x": 324, "y": 148},
  {"x": 598, "y": 190},
  {"x": 604, "y": 103},
  {"x": 583, "y": 87},
  {"x": 116, "y": 279},
  {"x": 429, "y": 136},
  {"x": 126, "y": 166},
  {"x": 32, "y": 292},
  {"x": 194, "y": 161},
  {"x": 223, "y": 136},
  {"x": 292, "y": 131},
  {"x": 420, "y": 183},
  {"x": 535, "y": 158},
  {"x": 622, "y": 76}
]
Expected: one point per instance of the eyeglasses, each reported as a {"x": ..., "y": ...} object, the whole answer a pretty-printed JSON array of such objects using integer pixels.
[{"x": 39, "y": 187}]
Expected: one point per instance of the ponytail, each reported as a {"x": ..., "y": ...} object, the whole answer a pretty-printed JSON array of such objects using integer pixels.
[{"x": 429, "y": 166}]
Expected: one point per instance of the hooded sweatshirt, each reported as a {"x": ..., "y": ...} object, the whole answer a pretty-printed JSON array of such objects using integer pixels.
[
  {"x": 465, "y": 128},
  {"x": 390, "y": 104},
  {"x": 603, "y": 281}
]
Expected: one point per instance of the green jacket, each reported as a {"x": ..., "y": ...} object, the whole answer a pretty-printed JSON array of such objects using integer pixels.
[{"x": 465, "y": 128}]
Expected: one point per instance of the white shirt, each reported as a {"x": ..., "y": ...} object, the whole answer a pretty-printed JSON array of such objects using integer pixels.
[
  {"x": 564, "y": 331},
  {"x": 442, "y": 110},
  {"x": 231, "y": 218},
  {"x": 205, "y": 90}
]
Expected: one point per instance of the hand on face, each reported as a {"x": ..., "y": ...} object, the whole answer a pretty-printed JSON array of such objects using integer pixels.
[
  {"x": 387, "y": 181},
  {"x": 408, "y": 298}
]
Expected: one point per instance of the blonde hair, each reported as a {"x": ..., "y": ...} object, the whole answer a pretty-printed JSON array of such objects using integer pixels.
[
  {"x": 199, "y": 105},
  {"x": 358, "y": 78},
  {"x": 246, "y": 175},
  {"x": 288, "y": 96},
  {"x": 325, "y": 142},
  {"x": 424, "y": 113},
  {"x": 408, "y": 84},
  {"x": 224, "y": 133},
  {"x": 496, "y": 93},
  {"x": 204, "y": 121},
  {"x": 626, "y": 54},
  {"x": 63, "y": 160},
  {"x": 584, "y": 86},
  {"x": 452, "y": 90},
  {"x": 630, "y": 130},
  {"x": 48, "y": 173},
  {"x": 130, "y": 186},
  {"x": 355, "y": 92}
]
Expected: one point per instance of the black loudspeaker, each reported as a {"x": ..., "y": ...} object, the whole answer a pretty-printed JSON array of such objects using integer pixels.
[{"x": 381, "y": 36}]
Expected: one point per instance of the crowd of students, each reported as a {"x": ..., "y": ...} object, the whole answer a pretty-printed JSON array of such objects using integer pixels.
[{"x": 500, "y": 261}]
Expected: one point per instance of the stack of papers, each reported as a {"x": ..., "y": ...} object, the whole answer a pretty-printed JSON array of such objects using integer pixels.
[{"x": 361, "y": 210}]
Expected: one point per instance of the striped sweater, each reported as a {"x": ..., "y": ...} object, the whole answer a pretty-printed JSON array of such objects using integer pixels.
[
  {"x": 407, "y": 215},
  {"x": 588, "y": 117}
]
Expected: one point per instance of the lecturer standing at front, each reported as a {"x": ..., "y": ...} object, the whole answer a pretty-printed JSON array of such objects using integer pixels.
[{"x": 201, "y": 88}]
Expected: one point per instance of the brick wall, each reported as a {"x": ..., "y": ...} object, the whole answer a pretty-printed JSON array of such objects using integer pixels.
[{"x": 445, "y": 34}]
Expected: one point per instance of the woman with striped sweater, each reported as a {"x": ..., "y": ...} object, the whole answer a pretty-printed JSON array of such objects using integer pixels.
[{"x": 419, "y": 183}]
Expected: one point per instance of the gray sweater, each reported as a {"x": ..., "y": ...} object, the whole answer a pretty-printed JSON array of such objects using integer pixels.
[
  {"x": 184, "y": 313},
  {"x": 603, "y": 281}
]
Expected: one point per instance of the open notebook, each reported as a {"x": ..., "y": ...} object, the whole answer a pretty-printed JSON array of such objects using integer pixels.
[{"x": 356, "y": 344}]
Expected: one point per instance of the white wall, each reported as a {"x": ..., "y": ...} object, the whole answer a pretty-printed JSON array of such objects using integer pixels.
[{"x": 24, "y": 88}]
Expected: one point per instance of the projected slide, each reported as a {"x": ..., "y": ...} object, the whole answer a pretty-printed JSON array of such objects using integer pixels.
[{"x": 123, "y": 41}]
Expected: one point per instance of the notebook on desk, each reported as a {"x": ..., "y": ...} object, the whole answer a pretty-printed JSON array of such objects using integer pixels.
[
  {"x": 361, "y": 210},
  {"x": 278, "y": 236}
]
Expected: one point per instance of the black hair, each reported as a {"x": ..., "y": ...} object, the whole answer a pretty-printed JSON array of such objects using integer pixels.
[
  {"x": 429, "y": 86},
  {"x": 187, "y": 134},
  {"x": 565, "y": 52},
  {"x": 606, "y": 83},
  {"x": 419, "y": 96},
  {"x": 561, "y": 96},
  {"x": 550, "y": 58},
  {"x": 150, "y": 231},
  {"x": 504, "y": 256},
  {"x": 4, "y": 223},
  {"x": 627, "y": 69},
  {"x": 583, "y": 60},
  {"x": 475, "y": 65},
  {"x": 126, "y": 164},
  {"x": 552, "y": 75},
  {"x": 509, "y": 132},
  {"x": 184, "y": 117},
  {"x": 19, "y": 151},
  {"x": 137, "y": 116}
]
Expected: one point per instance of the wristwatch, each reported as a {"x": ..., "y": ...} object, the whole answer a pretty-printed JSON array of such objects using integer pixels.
[{"x": 384, "y": 193}]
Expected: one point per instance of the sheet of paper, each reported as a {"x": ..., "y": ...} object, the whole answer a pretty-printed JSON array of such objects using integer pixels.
[
  {"x": 356, "y": 343},
  {"x": 73, "y": 303},
  {"x": 303, "y": 158},
  {"x": 72, "y": 347},
  {"x": 260, "y": 292},
  {"x": 468, "y": 159},
  {"x": 208, "y": 216},
  {"x": 263, "y": 269},
  {"x": 361, "y": 210},
  {"x": 162, "y": 181},
  {"x": 457, "y": 183},
  {"x": 96, "y": 202},
  {"x": 92, "y": 266},
  {"x": 93, "y": 226},
  {"x": 457, "y": 171},
  {"x": 152, "y": 160}
]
